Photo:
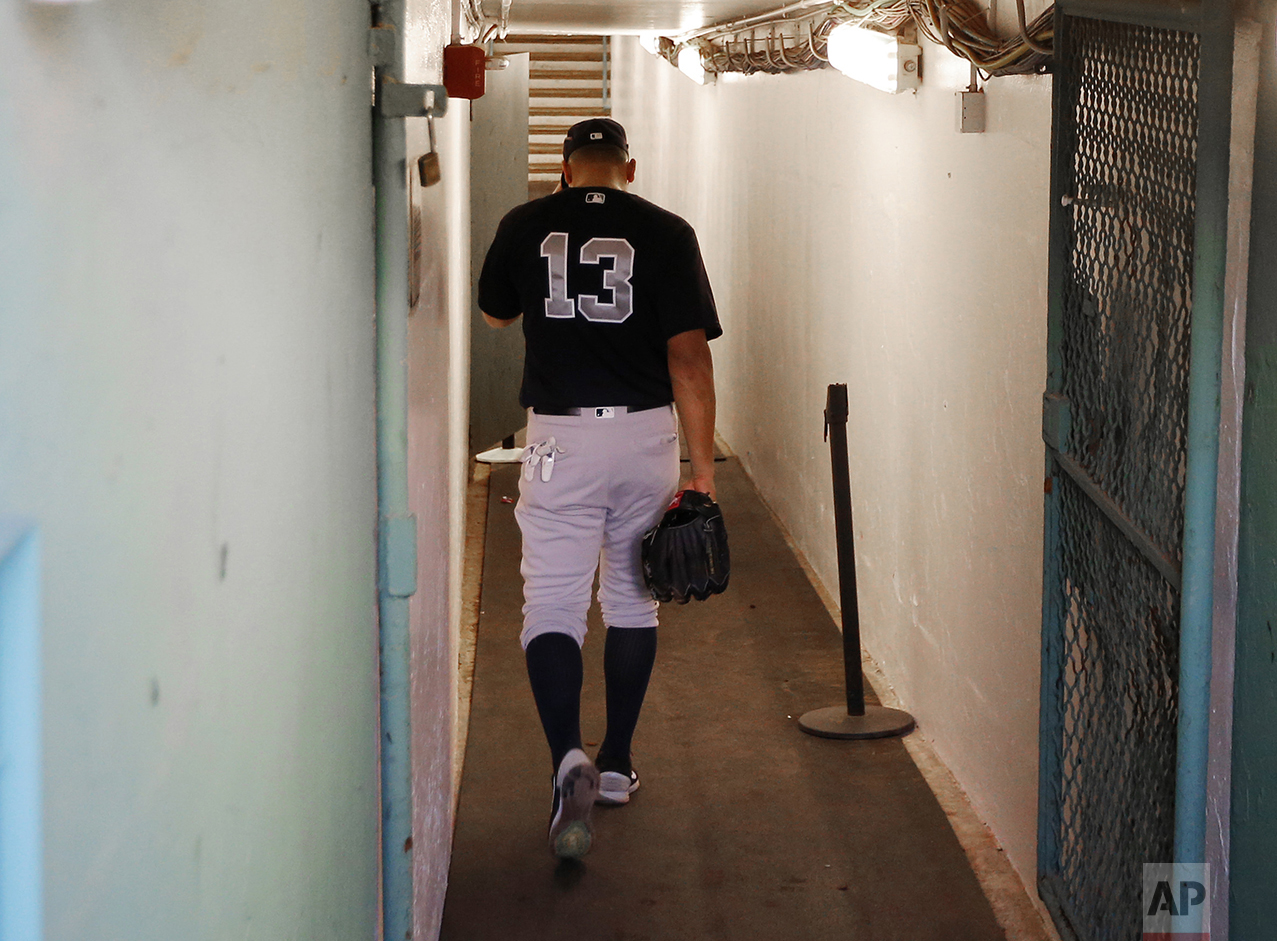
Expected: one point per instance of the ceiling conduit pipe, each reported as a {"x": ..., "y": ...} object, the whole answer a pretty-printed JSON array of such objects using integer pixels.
[
  {"x": 745, "y": 22},
  {"x": 780, "y": 51},
  {"x": 811, "y": 44},
  {"x": 1024, "y": 32}
]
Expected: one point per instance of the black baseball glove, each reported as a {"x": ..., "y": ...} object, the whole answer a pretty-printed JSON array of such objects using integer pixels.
[{"x": 685, "y": 554}]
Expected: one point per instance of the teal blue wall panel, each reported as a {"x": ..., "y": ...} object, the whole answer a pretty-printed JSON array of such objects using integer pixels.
[
  {"x": 1254, "y": 801},
  {"x": 20, "y": 831},
  {"x": 1254, "y": 797}
]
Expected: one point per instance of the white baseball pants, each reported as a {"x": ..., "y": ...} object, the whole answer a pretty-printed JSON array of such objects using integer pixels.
[{"x": 610, "y": 481}]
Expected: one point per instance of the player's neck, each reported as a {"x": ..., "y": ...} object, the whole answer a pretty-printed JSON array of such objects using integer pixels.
[{"x": 602, "y": 178}]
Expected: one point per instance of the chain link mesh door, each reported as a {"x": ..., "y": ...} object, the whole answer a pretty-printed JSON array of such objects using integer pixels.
[{"x": 1126, "y": 130}]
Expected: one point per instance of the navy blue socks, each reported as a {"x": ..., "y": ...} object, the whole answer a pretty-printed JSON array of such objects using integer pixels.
[
  {"x": 555, "y": 672},
  {"x": 628, "y": 656}
]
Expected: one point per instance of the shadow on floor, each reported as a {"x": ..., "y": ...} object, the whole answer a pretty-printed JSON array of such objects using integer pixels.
[{"x": 745, "y": 828}]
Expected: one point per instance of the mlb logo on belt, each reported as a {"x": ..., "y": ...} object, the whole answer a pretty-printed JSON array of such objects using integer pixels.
[
  {"x": 1176, "y": 902},
  {"x": 604, "y": 412}
]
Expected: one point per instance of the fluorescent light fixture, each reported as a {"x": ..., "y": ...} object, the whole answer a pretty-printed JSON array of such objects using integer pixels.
[
  {"x": 689, "y": 63},
  {"x": 876, "y": 59},
  {"x": 651, "y": 42}
]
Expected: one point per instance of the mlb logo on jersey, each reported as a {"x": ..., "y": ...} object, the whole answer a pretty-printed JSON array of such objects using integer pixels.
[{"x": 595, "y": 197}]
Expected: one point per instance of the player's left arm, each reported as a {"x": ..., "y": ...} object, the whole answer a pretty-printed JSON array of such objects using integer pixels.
[
  {"x": 692, "y": 375},
  {"x": 497, "y": 321}
]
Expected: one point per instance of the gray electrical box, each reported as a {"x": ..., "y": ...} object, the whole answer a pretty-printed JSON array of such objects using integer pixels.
[{"x": 971, "y": 112}]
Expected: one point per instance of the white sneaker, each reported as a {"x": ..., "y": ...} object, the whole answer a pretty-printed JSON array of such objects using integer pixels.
[
  {"x": 575, "y": 788},
  {"x": 615, "y": 787}
]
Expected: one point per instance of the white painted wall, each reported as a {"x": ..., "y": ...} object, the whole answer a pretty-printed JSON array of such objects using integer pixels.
[
  {"x": 186, "y": 407},
  {"x": 853, "y": 236},
  {"x": 438, "y": 456}
]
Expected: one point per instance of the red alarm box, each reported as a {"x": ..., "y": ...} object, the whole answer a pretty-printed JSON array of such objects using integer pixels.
[{"x": 463, "y": 70}]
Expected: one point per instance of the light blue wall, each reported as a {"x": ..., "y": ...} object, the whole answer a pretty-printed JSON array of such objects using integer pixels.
[
  {"x": 186, "y": 409},
  {"x": 20, "y": 850}
]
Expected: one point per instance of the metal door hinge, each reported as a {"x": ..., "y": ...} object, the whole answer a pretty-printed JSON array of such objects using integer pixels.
[
  {"x": 381, "y": 45},
  {"x": 401, "y": 100},
  {"x": 399, "y": 555},
  {"x": 1057, "y": 421}
]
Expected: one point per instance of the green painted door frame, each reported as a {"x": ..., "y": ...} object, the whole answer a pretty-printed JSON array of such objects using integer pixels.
[
  {"x": 1187, "y": 569},
  {"x": 1253, "y": 856}
]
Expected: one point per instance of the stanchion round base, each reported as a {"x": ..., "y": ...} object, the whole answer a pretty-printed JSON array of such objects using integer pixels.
[{"x": 877, "y": 722}]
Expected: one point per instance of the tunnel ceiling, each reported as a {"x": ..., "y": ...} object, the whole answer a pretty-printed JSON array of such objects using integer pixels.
[{"x": 624, "y": 16}]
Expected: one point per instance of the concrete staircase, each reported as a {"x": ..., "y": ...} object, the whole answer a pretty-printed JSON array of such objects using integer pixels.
[{"x": 569, "y": 80}]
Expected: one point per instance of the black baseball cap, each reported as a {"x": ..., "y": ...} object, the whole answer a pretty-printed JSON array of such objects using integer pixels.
[{"x": 595, "y": 131}]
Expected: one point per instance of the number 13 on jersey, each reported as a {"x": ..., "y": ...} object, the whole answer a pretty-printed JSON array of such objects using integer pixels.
[{"x": 554, "y": 248}]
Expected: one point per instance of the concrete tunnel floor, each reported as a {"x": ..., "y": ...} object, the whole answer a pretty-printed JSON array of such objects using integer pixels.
[{"x": 744, "y": 827}]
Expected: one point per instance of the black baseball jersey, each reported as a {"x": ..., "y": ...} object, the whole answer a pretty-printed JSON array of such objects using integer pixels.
[{"x": 603, "y": 279}]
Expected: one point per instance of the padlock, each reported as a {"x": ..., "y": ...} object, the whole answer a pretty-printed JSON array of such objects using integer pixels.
[{"x": 428, "y": 164}]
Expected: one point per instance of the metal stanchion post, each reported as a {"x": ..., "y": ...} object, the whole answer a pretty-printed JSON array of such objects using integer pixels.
[{"x": 856, "y": 720}]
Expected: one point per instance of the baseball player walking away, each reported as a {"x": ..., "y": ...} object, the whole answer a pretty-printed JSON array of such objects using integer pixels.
[{"x": 617, "y": 317}]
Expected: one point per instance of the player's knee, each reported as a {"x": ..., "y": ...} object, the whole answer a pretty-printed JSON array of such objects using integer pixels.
[
  {"x": 636, "y": 612},
  {"x": 534, "y": 627}
]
